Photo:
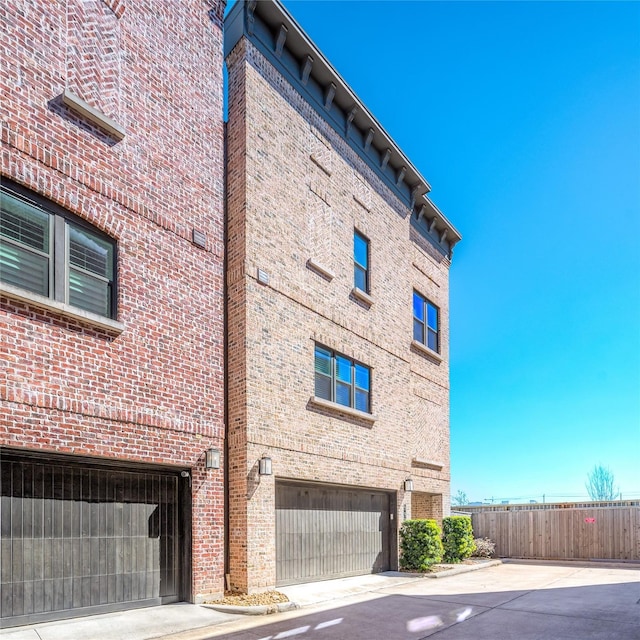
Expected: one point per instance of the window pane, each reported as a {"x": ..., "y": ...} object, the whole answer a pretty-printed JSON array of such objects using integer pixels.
[
  {"x": 418, "y": 331},
  {"x": 433, "y": 340},
  {"x": 341, "y": 380},
  {"x": 432, "y": 316},
  {"x": 360, "y": 278},
  {"x": 89, "y": 251},
  {"x": 24, "y": 223},
  {"x": 323, "y": 361},
  {"x": 24, "y": 269},
  {"x": 343, "y": 394},
  {"x": 418, "y": 306},
  {"x": 360, "y": 250},
  {"x": 89, "y": 293},
  {"x": 343, "y": 369},
  {"x": 362, "y": 400},
  {"x": 323, "y": 387},
  {"x": 362, "y": 377}
]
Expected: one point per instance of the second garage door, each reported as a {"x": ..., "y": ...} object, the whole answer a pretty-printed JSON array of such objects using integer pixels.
[{"x": 324, "y": 532}]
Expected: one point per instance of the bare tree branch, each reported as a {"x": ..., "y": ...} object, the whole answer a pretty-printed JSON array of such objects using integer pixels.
[
  {"x": 460, "y": 499},
  {"x": 600, "y": 484}
]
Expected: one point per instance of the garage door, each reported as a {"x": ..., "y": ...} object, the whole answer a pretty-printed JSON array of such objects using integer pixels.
[
  {"x": 325, "y": 532},
  {"x": 77, "y": 539}
]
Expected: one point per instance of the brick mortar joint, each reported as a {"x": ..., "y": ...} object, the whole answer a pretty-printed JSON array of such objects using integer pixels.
[
  {"x": 415, "y": 372},
  {"x": 376, "y": 342},
  {"x": 254, "y": 57},
  {"x": 103, "y": 189},
  {"x": 147, "y": 417},
  {"x": 320, "y": 452}
]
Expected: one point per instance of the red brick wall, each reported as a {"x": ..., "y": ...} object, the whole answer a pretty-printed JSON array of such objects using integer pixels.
[{"x": 154, "y": 392}]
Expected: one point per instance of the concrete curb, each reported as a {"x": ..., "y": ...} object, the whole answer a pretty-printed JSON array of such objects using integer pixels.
[
  {"x": 266, "y": 609},
  {"x": 465, "y": 568},
  {"x": 253, "y": 610}
]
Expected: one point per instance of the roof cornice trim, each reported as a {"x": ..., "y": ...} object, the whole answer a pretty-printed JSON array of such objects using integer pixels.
[{"x": 276, "y": 34}]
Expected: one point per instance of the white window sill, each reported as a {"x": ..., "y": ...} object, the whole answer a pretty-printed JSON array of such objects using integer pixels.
[
  {"x": 61, "y": 308},
  {"x": 340, "y": 408},
  {"x": 424, "y": 349},
  {"x": 361, "y": 295},
  {"x": 321, "y": 269}
]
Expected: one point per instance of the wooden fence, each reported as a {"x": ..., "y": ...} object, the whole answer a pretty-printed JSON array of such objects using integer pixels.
[{"x": 561, "y": 531}]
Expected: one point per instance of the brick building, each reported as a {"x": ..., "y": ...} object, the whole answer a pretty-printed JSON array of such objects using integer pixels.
[
  {"x": 338, "y": 331},
  {"x": 111, "y": 305}
]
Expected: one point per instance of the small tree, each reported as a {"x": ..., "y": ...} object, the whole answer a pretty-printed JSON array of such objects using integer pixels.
[
  {"x": 457, "y": 538},
  {"x": 600, "y": 484},
  {"x": 460, "y": 499}
]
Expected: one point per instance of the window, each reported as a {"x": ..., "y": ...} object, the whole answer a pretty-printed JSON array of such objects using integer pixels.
[
  {"x": 360, "y": 262},
  {"x": 45, "y": 250},
  {"x": 426, "y": 322},
  {"x": 342, "y": 380}
]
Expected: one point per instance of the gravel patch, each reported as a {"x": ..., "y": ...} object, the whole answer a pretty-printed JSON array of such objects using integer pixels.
[
  {"x": 251, "y": 600},
  {"x": 436, "y": 568}
]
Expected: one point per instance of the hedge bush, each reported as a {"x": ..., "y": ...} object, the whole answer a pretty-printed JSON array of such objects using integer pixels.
[
  {"x": 420, "y": 545},
  {"x": 457, "y": 538}
]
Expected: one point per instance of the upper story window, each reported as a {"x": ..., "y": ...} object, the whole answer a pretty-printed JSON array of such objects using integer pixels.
[
  {"x": 426, "y": 322},
  {"x": 342, "y": 380},
  {"x": 360, "y": 262},
  {"x": 47, "y": 251}
]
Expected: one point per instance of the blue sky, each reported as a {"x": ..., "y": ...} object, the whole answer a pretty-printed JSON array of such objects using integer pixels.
[{"x": 525, "y": 119}]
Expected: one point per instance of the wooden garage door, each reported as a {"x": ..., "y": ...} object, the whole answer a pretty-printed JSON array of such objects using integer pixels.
[
  {"x": 77, "y": 540},
  {"x": 325, "y": 532}
]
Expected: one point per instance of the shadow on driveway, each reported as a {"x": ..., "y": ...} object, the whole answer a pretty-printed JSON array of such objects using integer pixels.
[{"x": 595, "y": 612}]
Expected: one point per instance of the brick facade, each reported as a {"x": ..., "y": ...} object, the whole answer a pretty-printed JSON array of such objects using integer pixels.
[
  {"x": 296, "y": 191},
  {"x": 112, "y": 110},
  {"x": 151, "y": 391}
]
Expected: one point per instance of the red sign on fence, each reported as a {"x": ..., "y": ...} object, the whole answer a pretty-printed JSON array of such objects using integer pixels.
[{"x": 589, "y": 520}]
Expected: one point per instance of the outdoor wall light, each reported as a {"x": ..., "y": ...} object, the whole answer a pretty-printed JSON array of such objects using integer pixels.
[
  {"x": 408, "y": 485},
  {"x": 264, "y": 466},
  {"x": 212, "y": 459}
]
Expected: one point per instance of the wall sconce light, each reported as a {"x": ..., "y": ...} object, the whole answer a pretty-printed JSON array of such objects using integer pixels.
[
  {"x": 408, "y": 485},
  {"x": 212, "y": 459},
  {"x": 264, "y": 466}
]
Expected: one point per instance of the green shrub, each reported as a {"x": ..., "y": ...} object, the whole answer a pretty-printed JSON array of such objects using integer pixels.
[
  {"x": 420, "y": 545},
  {"x": 485, "y": 548},
  {"x": 457, "y": 538}
]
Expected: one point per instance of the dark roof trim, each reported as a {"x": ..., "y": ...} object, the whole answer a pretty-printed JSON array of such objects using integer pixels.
[{"x": 275, "y": 33}]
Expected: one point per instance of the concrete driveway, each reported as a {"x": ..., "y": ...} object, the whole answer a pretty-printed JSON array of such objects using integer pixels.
[{"x": 515, "y": 601}]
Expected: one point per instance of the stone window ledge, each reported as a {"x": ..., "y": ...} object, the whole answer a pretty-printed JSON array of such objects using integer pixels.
[
  {"x": 78, "y": 105},
  {"x": 319, "y": 161},
  {"x": 361, "y": 295},
  {"x": 320, "y": 268},
  {"x": 361, "y": 202},
  {"x": 428, "y": 352},
  {"x": 61, "y": 308},
  {"x": 340, "y": 408},
  {"x": 429, "y": 464}
]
